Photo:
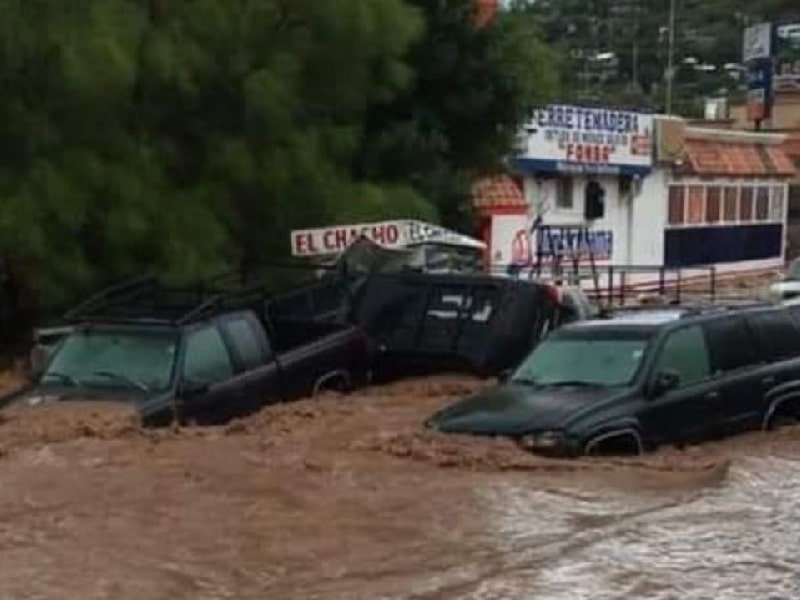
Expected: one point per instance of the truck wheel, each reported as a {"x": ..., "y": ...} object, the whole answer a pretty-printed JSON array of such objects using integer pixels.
[
  {"x": 623, "y": 443},
  {"x": 785, "y": 415},
  {"x": 338, "y": 382}
]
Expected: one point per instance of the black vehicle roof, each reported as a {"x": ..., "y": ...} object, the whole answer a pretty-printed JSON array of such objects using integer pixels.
[
  {"x": 656, "y": 318},
  {"x": 459, "y": 279}
]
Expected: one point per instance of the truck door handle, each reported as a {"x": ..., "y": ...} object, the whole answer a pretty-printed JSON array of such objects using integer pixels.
[
  {"x": 712, "y": 396},
  {"x": 768, "y": 381}
]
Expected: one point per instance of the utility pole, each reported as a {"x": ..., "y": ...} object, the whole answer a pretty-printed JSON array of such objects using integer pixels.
[{"x": 670, "y": 55}]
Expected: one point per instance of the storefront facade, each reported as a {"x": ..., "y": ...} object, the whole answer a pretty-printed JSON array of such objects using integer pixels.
[{"x": 670, "y": 196}]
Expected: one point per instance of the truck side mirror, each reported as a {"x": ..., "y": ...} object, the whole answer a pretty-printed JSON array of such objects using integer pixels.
[
  {"x": 665, "y": 381},
  {"x": 505, "y": 375}
]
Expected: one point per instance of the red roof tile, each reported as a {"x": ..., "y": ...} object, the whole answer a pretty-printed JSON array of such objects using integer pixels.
[
  {"x": 500, "y": 191},
  {"x": 706, "y": 157},
  {"x": 792, "y": 147}
]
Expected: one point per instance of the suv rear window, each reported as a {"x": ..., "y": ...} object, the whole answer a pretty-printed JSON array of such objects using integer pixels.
[
  {"x": 732, "y": 344},
  {"x": 778, "y": 336}
]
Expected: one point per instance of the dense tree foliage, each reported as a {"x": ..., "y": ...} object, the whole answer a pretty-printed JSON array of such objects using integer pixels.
[
  {"x": 460, "y": 116},
  {"x": 184, "y": 135}
]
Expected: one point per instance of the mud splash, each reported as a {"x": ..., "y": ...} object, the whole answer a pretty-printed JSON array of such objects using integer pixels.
[{"x": 349, "y": 497}]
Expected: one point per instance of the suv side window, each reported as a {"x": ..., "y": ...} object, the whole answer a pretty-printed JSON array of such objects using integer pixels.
[
  {"x": 206, "y": 359},
  {"x": 777, "y": 333},
  {"x": 686, "y": 352},
  {"x": 732, "y": 344},
  {"x": 246, "y": 342}
]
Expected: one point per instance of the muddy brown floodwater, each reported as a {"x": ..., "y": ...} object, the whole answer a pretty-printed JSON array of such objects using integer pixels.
[{"x": 349, "y": 498}]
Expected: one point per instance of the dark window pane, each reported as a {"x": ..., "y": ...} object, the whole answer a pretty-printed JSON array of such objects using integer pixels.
[
  {"x": 778, "y": 336},
  {"x": 248, "y": 347},
  {"x": 713, "y": 201},
  {"x": 732, "y": 344},
  {"x": 696, "y": 211},
  {"x": 762, "y": 204},
  {"x": 685, "y": 352},
  {"x": 777, "y": 209},
  {"x": 730, "y": 212},
  {"x": 676, "y": 197},
  {"x": 207, "y": 359},
  {"x": 564, "y": 193},
  {"x": 746, "y": 205}
]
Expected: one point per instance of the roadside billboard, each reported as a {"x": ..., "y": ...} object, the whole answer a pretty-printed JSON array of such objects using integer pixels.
[
  {"x": 757, "y": 55},
  {"x": 787, "y": 58},
  {"x": 578, "y": 140}
]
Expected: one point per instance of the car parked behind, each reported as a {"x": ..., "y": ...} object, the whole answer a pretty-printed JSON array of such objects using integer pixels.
[
  {"x": 644, "y": 378},
  {"x": 789, "y": 284}
]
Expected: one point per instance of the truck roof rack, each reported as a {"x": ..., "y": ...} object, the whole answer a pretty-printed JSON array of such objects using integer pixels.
[{"x": 148, "y": 300}]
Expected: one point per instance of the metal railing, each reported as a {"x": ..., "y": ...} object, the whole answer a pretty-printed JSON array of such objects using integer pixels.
[{"x": 618, "y": 284}]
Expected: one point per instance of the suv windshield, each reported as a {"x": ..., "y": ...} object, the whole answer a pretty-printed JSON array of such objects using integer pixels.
[
  {"x": 127, "y": 359},
  {"x": 585, "y": 357}
]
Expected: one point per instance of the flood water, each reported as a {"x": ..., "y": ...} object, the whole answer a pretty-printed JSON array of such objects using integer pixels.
[
  {"x": 349, "y": 498},
  {"x": 736, "y": 539}
]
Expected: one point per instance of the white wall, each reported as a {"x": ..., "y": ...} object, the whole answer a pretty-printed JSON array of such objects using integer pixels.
[
  {"x": 650, "y": 211},
  {"x": 617, "y": 216}
]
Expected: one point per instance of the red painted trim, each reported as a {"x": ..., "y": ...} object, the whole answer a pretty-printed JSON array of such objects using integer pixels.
[{"x": 503, "y": 210}]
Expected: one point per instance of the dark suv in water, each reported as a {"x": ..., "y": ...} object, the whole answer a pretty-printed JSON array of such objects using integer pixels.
[{"x": 644, "y": 378}]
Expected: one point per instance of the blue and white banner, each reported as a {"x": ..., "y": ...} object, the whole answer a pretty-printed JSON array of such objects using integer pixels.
[{"x": 573, "y": 139}]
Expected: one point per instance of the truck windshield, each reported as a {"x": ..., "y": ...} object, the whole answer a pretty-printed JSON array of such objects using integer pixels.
[
  {"x": 126, "y": 359},
  {"x": 585, "y": 358}
]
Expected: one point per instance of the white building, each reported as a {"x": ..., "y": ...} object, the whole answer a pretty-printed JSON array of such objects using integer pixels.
[{"x": 676, "y": 201}]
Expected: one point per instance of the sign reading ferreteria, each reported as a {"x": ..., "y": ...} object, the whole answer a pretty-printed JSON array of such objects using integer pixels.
[{"x": 577, "y": 140}]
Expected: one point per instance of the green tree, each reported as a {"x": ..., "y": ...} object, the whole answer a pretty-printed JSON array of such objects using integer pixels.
[
  {"x": 473, "y": 88},
  {"x": 182, "y": 136}
]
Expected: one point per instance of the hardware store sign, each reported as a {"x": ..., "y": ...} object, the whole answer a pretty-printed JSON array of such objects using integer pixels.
[{"x": 570, "y": 138}]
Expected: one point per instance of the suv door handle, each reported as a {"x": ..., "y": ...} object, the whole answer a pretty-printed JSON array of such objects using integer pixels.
[
  {"x": 768, "y": 381},
  {"x": 712, "y": 396}
]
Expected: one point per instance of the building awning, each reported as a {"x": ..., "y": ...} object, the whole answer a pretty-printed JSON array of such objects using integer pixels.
[
  {"x": 736, "y": 159},
  {"x": 499, "y": 192}
]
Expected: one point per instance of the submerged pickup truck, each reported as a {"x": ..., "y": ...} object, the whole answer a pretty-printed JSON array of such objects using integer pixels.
[{"x": 203, "y": 363}]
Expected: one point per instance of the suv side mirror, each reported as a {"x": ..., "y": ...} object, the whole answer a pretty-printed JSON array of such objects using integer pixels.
[{"x": 665, "y": 381}]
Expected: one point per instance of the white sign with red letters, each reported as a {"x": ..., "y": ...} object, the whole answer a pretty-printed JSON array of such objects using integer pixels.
[
  {"x": 387, "y": 234},
  {"x": 596, "y": 140}
]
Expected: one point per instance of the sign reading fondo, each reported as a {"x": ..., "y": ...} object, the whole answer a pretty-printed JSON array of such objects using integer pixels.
[
  {"x": 571, "y": 139},
  {"x": 388, "y": 234}
]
